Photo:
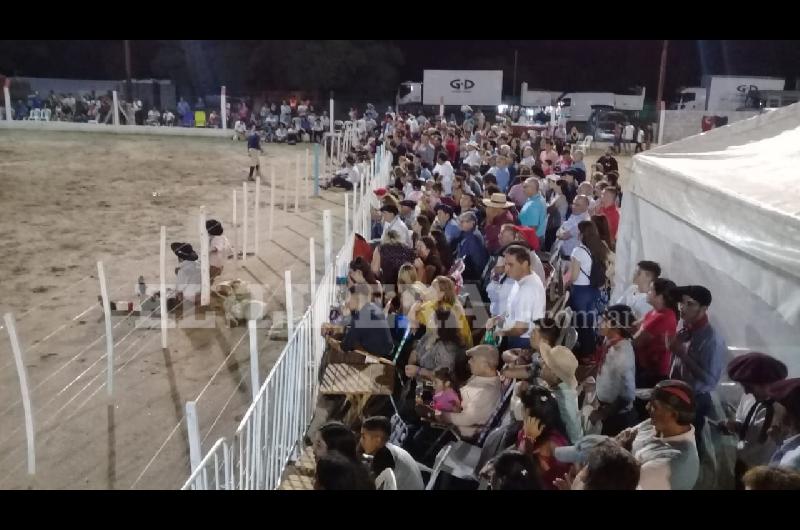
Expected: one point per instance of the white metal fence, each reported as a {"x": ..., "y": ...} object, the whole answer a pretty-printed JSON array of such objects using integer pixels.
[{"x": 272, "y": 430}]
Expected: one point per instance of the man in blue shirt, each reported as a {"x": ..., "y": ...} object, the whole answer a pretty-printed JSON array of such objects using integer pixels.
[
  {"x": 534, "y": 211},
  {"x": 445, "y": 221},
  {"x": 502, "y": 174},
  {"x": 471, "y": 248},
  {"x": 254, "y": 150},
  {"x": 698, "y": 350}
]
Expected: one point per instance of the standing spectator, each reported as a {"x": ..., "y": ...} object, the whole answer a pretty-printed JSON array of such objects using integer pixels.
[
  {"x": 608, "y": 207},
  {"x": 499, "y": 287},
  {"x": 787, "y": 423},
  {"x": 526, "y": 302},
  {"x": 471, "y": 248},
  {"x": 628, "y": 136},
  {"x": 548, "y": 153},
  {"x": 286, "y": 113},
  {"x": 635, "y": 296},
  {"x": 756, "y": 372},
  {"x": 392, "y": 221},
  {"x": 568, "y": 232},
  {"x": 502, "y": 174},
  {"x": 656, "y": 331},
  {"x": 586, "y": 278},
  {"x": 616, "y": 385},
  {"x": 558, "y": 371},
  {"x": 608, "y": 161},
  {"x": 497, "y": 215},
  {"x": 618, "y": 132},
  {"x": 639, "y": 139},
  {"x": 218, "y": 248},
  {"x": 446, "y": 223},
  {"x": 698, "y": 350},
  {"x": 390, "y": 255},
  {"x": 445, "y": 170},
  {"x": 375, "y": 432},
  {"x": 534, "y": 211},
  {"x": 254, "y": 151},
  {"x": 185, "y": 112},
  {"x": 665, "y": 443}
]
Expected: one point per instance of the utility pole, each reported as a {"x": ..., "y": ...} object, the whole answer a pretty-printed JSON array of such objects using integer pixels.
[
  {"x": 129, "y": 85},
  {"x": 661, "y": 74},
  {"x": 514, "y": 87}
]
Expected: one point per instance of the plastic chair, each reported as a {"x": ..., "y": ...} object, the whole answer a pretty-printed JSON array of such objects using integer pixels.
[
  {"x": 35, "y": 115},
  {"x": 46, "y": 113},
  {"x": 386, "y": 480}
]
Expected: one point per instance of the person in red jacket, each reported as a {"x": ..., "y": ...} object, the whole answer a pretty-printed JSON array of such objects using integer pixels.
[
  {"x": 452, "y": 148},
  {"x": 497, "y": 214},
  {"x": 608, "y": 207}
]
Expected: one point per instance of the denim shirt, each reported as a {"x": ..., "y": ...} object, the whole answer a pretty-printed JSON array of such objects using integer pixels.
[
  {"x": 707, "y": 348},
  {"x": 789, "y": 454},
  {"x": 567, "y": 399}
]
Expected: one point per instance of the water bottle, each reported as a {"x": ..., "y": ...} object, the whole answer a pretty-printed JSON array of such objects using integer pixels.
[
  {"x": 142, "y": 287},
  {"x": 488, "y": 337}
]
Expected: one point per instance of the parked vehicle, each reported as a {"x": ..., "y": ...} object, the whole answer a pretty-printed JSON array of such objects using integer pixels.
[
  {"x": 726, "y": 92},
  {"x": 602, "y": 122}
]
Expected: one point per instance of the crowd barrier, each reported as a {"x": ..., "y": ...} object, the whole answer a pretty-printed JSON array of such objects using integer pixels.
[{"x": 271, "y": 431}]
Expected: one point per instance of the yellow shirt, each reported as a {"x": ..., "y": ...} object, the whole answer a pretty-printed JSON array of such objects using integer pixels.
[{"x": 427, "y": 310}]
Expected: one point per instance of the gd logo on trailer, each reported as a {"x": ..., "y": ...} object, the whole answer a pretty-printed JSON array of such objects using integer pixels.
[{"x": 457, "y": 85}]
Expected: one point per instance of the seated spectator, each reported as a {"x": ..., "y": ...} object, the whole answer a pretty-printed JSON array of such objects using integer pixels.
[
  {"x": 438, "y": 348},
  {"x": 515, "y": 471},
  {"x": 516, "y": 193},
  {"x": 635, "y": 296},
  {"x": 375, "y": 432},
  {"x": 346, "y": 178},
  {"x": 420, "y": 228},
  {"x": 608, "y": 207},
  {"x": 446, "y": 223},
  {"x": 409, "y": 291},
  {"x": 756, "y": 411},
  {"x": 281, "y": 133},
  {"x": 542, "y": 433},
  {"x": 428, "y": 262},
  {"x": 407, "y": 214},
  {"x": 441, "y": 295},
  {"x": 656, "y": 330},
  {"x": 558, "y": 372},
  {"x": 497, "y": 215},
  {"x": 665, "y": 443},
  {"x": 446, "y": 253},
  {"x": 533, "y": 212},
  {"x": 526, "y": 301},
  {"x": 392, "y": 221},
  {"x": 389, "y": 256},
  {"x": 359, "y": 272},
  {"x": 698, "y": 350},
  {"x": 334, "y": 436},
  {"x": 368, "y": 329},
  {"x": 616, "y": 386},
  {"x": 335, "y": 472},
  {"x": 445, "y": 386},
  {"x": 188, "y": 276},
  {"x": 770, "y": 478},
  {"x": 786, "y": 423},
  {"x": 603, "y": 465},
  {"x": 471, "y": 249}
]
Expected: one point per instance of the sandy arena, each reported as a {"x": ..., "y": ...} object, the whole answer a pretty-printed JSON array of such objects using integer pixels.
[{"x": 71, "y": 199}]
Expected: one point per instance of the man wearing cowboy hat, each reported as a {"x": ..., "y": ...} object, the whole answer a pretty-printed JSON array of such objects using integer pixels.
[
  {"x": 497, "y": 214},
  {"x": 754, "y": 416},
  {"x": 558, "y": 371},
  {"x": 665, "y": 444}
]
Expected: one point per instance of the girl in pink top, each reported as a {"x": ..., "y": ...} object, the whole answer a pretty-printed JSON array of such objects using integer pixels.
[{"x": 446, "y": 398}]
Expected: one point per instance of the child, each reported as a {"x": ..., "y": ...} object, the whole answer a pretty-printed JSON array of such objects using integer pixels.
[
  {"x": 218, "y": 248},
  {"x": 446, "y": 397}
]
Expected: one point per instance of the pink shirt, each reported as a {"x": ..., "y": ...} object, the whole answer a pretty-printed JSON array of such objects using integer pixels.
[
  {"x": 447, "y": 401},
  {"x": 517, "y": 195}
]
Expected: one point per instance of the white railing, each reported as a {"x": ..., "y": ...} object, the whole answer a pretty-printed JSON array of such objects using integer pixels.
[{"x": 272, "y": 430}]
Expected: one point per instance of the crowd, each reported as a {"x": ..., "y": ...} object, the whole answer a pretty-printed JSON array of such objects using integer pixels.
[{"x": 486, "y": 284}]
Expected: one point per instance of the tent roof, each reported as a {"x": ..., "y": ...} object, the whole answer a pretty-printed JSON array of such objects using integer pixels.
[{"x": 739, "y": 183}]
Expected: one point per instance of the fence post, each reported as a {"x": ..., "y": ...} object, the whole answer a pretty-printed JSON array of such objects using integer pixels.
[
  {"x": 244, "y": 220},
  {"x": 662, "y": 117},
  {"x": 355, "y": 210},
  {"x": 26, "y": 395},
  {"x": 222, "y": 109},
  {"x": 316, "y": 170},
  {"x": 194, "y": 435},
  {"x": 205, "y": 266},
  {"x": 271, "y": 201},
  {"x": 7, "y": 97},
  {"x": 289, "y": 306},
  {"x": 115, "y": 109},
  {"x": 254, "y": 379},
  {"x": 346, "y": 213},
  {"x": 286, "y": 189},
  {"x": 332, "y": 118},
  {"x": 297, "y": 184},
  {"x": 312, "y": 276},
  {"x": 163, "y": 287},
  {"x": 327, "y": 237},
  {"x": 307, "y": 175},
  {"x": 101, "y": 275},
  {"x": 235, "y": 228},
  {"x": 257, "y": 222}
]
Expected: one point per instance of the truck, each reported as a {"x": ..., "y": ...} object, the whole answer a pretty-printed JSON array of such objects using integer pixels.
[{"x": 726, "y": 93}]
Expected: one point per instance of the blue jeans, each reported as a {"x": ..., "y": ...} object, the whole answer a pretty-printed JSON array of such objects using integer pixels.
[{"x": 583, "y": 301}]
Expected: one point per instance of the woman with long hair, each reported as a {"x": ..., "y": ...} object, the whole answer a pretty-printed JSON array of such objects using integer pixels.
[
  {"x": 441, "y": 296},
  {"x": 438, "y": 348},
  {"x": 409, "y": 291},
  {"x": 445, "y": 252},
  {"x": 656, "y": 328},
  {"x": 601, "y": 222},
  {"x": 360, "y": 271},
  {"x": 421, "y": 227},
  {"x": 428, "y": 263},
  {"x": 542, "y": 432},
  {"x": 390, "y": 254},
  {"x": 585, "y": 285}
]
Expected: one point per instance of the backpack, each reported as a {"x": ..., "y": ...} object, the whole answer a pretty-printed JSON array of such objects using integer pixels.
[{"x": 597, "y": 276}]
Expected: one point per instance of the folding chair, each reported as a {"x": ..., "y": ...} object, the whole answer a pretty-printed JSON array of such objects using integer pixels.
[{"x": 386, "y": 480}]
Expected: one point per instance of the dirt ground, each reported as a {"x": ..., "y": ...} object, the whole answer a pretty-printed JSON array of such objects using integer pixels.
[{"x": 68, "y": 200}]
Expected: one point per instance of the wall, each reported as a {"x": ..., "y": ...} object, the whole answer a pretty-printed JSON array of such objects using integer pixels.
[
  {"x": 65, "y": 126},
  {"x": 679, "y": 124}
]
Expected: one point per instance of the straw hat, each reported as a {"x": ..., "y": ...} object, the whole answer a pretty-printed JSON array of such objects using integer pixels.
[
  {"x": 562, "y": 362},
  {"x": 498, "y": 200}
]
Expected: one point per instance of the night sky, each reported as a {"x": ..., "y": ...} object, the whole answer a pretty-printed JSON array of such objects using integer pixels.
[{"x": 568, "y": 65}]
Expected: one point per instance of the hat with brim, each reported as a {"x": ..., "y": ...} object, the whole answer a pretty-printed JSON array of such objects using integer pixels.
[
  {"x": 408, "y": 203},
  {"x": 756, "y": 368},
  {"x": 184, "y": 251},
  {"x": 498, "y": 200},
  {"x": 562, "y": 362},
  {"x": 579, "y": 453}
]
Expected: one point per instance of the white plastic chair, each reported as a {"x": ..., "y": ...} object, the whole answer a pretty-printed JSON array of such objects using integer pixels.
[
  {"x": 437, "y": 466},
  {"x": 587, "y": 143},
  {"x": 386, "y": 480},
  {"x": 46, "y": 113}
]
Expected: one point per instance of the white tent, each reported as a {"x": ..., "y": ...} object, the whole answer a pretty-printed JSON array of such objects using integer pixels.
[{"x": 722, "y": 209}]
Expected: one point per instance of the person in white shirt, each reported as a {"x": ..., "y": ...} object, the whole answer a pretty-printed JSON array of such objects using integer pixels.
[
  {"x": 240, "y": 130},
  {"x": 586, "y": 188},
  {"x": 346, "y": 177},
  {"x": 473, "y": 158},
  {"x": 627, "y": 136},
  {"x": 526, "y": 302},
  {"x": 286, "y": 113},
  {"x": 218, "y": 248},
  {"x": 281, "y": 133},
  {"x": 375, "y": 433},
  {"x": 568, "y": 232},
  {"x": 499, "y": 288},
  {"x": 756, "y": 372},
  {"x": 527, "y": 158},
  {"x": 393, "y": 221},
  {"x": 635, "y": 296},
  {"x": 480, "y": 394},
  {"x": 188, "y": 277},
  {"x": 445, "y": 170}
]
